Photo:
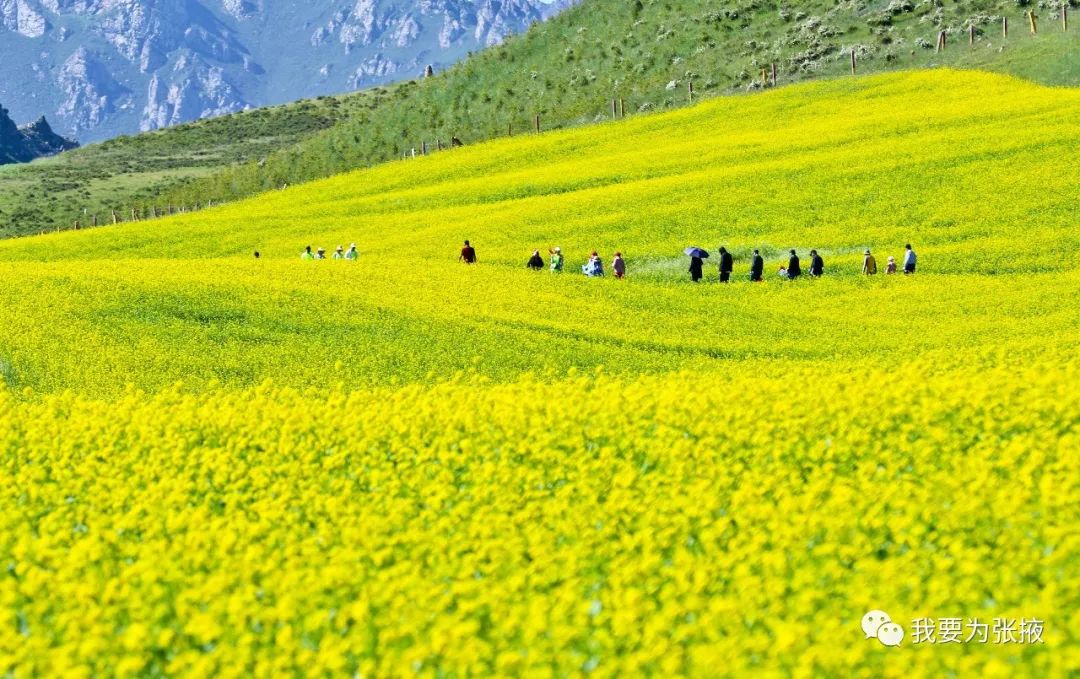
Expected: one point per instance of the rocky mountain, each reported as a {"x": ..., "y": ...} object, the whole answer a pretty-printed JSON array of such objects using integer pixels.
[
  {"x": 108, "y": 67},
  {"x": 23, "y": 144}
]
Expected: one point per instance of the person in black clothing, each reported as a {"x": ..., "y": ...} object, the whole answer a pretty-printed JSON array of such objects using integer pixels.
[
  {"x": 794, "y": 267},
  {"x": 536, "y": 262},
  {"x": 695, "y": 269},
  {"x": 726, "y": 264},
  {"x": 817, "y": 264},
  {"x": 468, "y": 254},
  {"x": 757, "y": 267}
]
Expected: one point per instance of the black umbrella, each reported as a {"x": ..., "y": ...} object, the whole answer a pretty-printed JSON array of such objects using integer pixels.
[{"x": 696, "y": 252}]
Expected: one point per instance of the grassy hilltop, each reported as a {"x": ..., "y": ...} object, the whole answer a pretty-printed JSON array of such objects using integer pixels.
[
  {"x": 400, "y": 466},
  {"x": 566, "y": 70}
]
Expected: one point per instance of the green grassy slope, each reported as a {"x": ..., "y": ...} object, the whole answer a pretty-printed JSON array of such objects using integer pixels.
[
  {"x": 928, "y": 157},
  {"x": 53, "y": 192},
  {"x": 566, "y": 70}
]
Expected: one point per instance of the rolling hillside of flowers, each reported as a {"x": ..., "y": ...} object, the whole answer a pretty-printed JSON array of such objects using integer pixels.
[{"x": 405, "y": 466}]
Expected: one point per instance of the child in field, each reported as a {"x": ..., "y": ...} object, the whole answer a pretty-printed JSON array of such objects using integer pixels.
[
  {"x": 618, "y": 265},
  {"x": 339, "y": 253},
  {"x": 320, "y": 253},
  {"x": 783, "y": 272},
  {"x": 352, "y": 254},
  {"x": 890, "y": 268}
]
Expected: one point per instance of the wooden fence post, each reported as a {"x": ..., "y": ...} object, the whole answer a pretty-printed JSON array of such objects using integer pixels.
[
  {"x": 1064, "y": 15},
  {"x": 940, "y": 41},
  {"x": 971, "y": 34},
  {"x": 509, "y": 129},
  {"x": 1004, "y": 27},
  {"x": 114, "y": 219},
  {"x": 614, "y": 109},
  {"x": 95, "y": 219},
  {"x": 773, "y": 74},
  {"x": 536, "y": 123},
  {"x": 438, "y": 143},
  {"x": 76, "y": 224},
  {"x": 622, "y": 108},
  {"x": 1033, "y": 24},
  {"x": 690, "y": 90},
  {"x": 132, "y": 214},
  {"x": 423, "y": 148},
  {"x": 852, "y": 61}
]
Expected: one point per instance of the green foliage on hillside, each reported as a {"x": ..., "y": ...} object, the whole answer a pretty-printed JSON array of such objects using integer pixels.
[{"x": 567, "y": 70}]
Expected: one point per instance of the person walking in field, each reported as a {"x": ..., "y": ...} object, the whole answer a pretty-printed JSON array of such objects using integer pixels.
[
  {"x": 890, "y": 267},
  {"x": 352, "y": 255},
  {"x": 869, "y": 264},
  {"x": 794, "y": 266},
  {"x": 695, "y": 268},
  {"x": 727, "y": 263},
  {"x": 556, "y": 260},
  {"x": 468, "y": 254},
  {"x": 594, "y": 268},
  {"x": 817, "y": 264},
  {"x": 909, "y": 260},
  {"x": 307, "y": 254},
  {"x": 618, "y": 266},
  {"x": 783, "y": 273},
  {"x": 320, "y": 253},
  {"x": 757, "y": 267},
  {"x": 536, "y": 262},
  {"x": 339, "y": 252}
]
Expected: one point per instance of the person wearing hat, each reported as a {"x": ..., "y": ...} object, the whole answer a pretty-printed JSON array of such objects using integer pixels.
[
  {"x": 618, "y": 265},
  {"x": 307, "y": 254},
  {"x": 339, "y": 253},
  {"x": 869, "y": 264},
  {"x": 794, "y": 266},
  {"x": 556, "y": 260},
  {"x": 352, "y": 254},
  {"x": 536, "y": 262},
  {"x": 320, "y": 253},
  {"x": 891, "y": 266}
]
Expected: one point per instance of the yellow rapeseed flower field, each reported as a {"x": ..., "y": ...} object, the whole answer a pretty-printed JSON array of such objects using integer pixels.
[{"x": 212, "y": 465}]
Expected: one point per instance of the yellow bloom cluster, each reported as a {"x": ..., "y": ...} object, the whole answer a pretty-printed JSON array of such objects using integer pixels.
[
  {"x": 657, "y": 525},
  {"x": 212, "y": 465}
]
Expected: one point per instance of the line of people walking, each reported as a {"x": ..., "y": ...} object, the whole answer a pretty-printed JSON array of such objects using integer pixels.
[
  {"x": 339, "y": 253},
  {"x": 791, "y": 270}
]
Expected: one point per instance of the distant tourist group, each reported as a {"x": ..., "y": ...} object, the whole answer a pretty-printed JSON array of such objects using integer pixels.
[
  {"x": 339, "y": 253},
  {"x": 793, "y": 269}
]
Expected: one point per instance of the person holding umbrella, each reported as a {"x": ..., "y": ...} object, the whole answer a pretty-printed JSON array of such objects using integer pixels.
[
  {"x": 757, "y": 267},
  {"x": 697, "y": 257},
  {"x": 794, "y": 267},
  {"x": 727, "y": 263},
  {"x": 817, "y": 264}
]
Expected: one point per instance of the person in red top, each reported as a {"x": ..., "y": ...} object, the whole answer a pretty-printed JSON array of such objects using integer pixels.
[{"x": 468, "y": 254}]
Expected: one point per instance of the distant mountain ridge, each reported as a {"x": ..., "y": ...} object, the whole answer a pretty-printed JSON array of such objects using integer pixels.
[
  {"x": 107, "y": 67},
  {"x": 23, "y": 144}
]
